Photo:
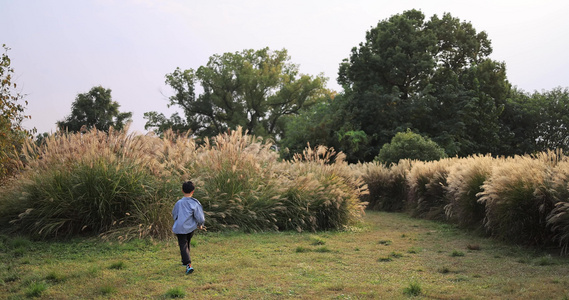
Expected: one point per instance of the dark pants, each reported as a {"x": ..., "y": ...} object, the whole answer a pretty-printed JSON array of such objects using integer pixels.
[{"x": 184, "y": 243}]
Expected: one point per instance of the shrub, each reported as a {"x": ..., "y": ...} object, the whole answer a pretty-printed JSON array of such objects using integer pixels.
[
  {"x": 464, "y": 183},
  {"x": 518, "y": 199},
  {"x": 409, "y": 145}
]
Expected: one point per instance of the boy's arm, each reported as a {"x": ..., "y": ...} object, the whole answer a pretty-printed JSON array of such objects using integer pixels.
[
  {"x": 199, "y": 215},
  {"x": 175, "y": 211}
]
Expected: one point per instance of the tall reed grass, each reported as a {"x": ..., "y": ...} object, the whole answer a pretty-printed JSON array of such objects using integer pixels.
[
  {"x": 387, "y": 185},
  {"x": 558, "y": 218},
  {"x": 427, "y": 182},
  {"x": 124, "y": 185},
  {"x": 522, "y": 199},
  {"x": 518, "y": 200},
  {"x": 464, "y": 183}
]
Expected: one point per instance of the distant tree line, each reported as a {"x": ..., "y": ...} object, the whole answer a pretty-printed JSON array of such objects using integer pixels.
[
  {"x": 430, "y": 77},
  {"x": 435, "y": 78}
]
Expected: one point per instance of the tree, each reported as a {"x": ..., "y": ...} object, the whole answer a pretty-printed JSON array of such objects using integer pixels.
[
  {"x": 12, "y": 134},
  {"x": 553, "y": 110},
  {"x": 95, "y": 109},
  {"x": 409, "y": 145},
  {"x": 433, "y": 76},
  {"x": 251, "y": 89},
  {"x": 535, "y": 122}
]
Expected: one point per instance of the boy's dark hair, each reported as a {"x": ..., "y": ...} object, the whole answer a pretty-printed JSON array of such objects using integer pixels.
[{"x": 188, "y": 187}]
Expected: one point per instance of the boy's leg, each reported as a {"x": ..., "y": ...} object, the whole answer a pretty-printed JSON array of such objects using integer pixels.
[
  {"x": 184, "y": 244},
  {"x": 189, "y": 239}
]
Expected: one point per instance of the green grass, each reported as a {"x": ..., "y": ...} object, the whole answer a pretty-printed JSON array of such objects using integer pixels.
[
  {"x": 290, "y": 265},
  {"x": 414, "y": 289},
  {"x": 119, "y": 265},
  {"x": 176, "y": 292},
  {"x": 35, "y": 289}
]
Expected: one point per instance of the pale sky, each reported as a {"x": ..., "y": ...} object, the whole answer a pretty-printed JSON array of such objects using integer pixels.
[{"x": 60, "y": 48}]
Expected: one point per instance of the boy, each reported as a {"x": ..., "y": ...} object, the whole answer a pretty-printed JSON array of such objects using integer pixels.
[{"x": 188, "y": 216}]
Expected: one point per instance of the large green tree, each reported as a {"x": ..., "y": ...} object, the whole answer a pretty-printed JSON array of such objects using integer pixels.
[
  {"x": 433, "y": 76},
  {"x": 251, "y": 89},
  {"x": 12, "y": 134},
  {"x": 95, "y": 109}
]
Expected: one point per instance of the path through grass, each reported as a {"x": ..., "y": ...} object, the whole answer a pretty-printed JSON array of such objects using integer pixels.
[{"x": 390, "y": 256}]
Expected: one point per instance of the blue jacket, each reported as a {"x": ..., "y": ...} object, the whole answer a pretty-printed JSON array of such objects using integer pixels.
[{"x": 188, "y": 215}]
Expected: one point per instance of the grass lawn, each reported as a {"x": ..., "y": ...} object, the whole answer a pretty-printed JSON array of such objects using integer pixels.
[{"x": 389, "y": 256}]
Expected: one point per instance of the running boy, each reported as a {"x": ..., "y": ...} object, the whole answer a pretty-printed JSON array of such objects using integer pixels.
[{"x": 188, "y": 216}]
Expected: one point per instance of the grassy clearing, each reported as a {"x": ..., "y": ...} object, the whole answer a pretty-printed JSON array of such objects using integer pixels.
[{"x": 389, "y": 256}]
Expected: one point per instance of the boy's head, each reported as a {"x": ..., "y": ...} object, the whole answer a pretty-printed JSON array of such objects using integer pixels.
[{"x": 188, "y": 187}]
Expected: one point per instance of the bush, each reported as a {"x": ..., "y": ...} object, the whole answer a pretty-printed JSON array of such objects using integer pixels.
[{"x": 409, "y": 145}]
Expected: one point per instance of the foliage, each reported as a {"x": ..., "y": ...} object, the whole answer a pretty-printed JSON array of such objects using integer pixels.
[
  {"x": 409, "y": 145},
  {"x": 553, "y": 130},
  {"x": 536, "y": 121},
  {"x": 433, "y": 76},
  {"x": 519, "y": 118},
  {"x": 12, "y": 134},
  {"x": 94, "y": 109},
  {"x": 249, "y": 89}
]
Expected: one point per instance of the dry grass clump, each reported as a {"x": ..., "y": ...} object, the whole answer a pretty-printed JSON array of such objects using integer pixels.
[
  {"x": 236, "y": 182},
  {"x": 332, "y": 187},
  {"x": 427, "y": 183},
  {"x": 558, "y": 219},
  {"x": 124, "y": 185},
  {"x": 91, "y": 182},
  {"x": 464, "y": 182},
  {"x": 518, "y": 200},
  {"x": 522, "y": 199},
  {"x": 387, "y": 186}
]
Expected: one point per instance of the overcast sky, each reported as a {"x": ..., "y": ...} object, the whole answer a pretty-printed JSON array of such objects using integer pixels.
[{"x": 60, "y": 48}]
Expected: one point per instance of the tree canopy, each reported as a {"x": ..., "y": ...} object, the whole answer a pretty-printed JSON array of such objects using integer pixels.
[
  {"x": 409, "y": 145},
  {"x": 12, "y": 114},
  {"x": 95, "y": 109},
  {"x": 433, "y": 76},
  {"x": 251, "y": 89}
]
